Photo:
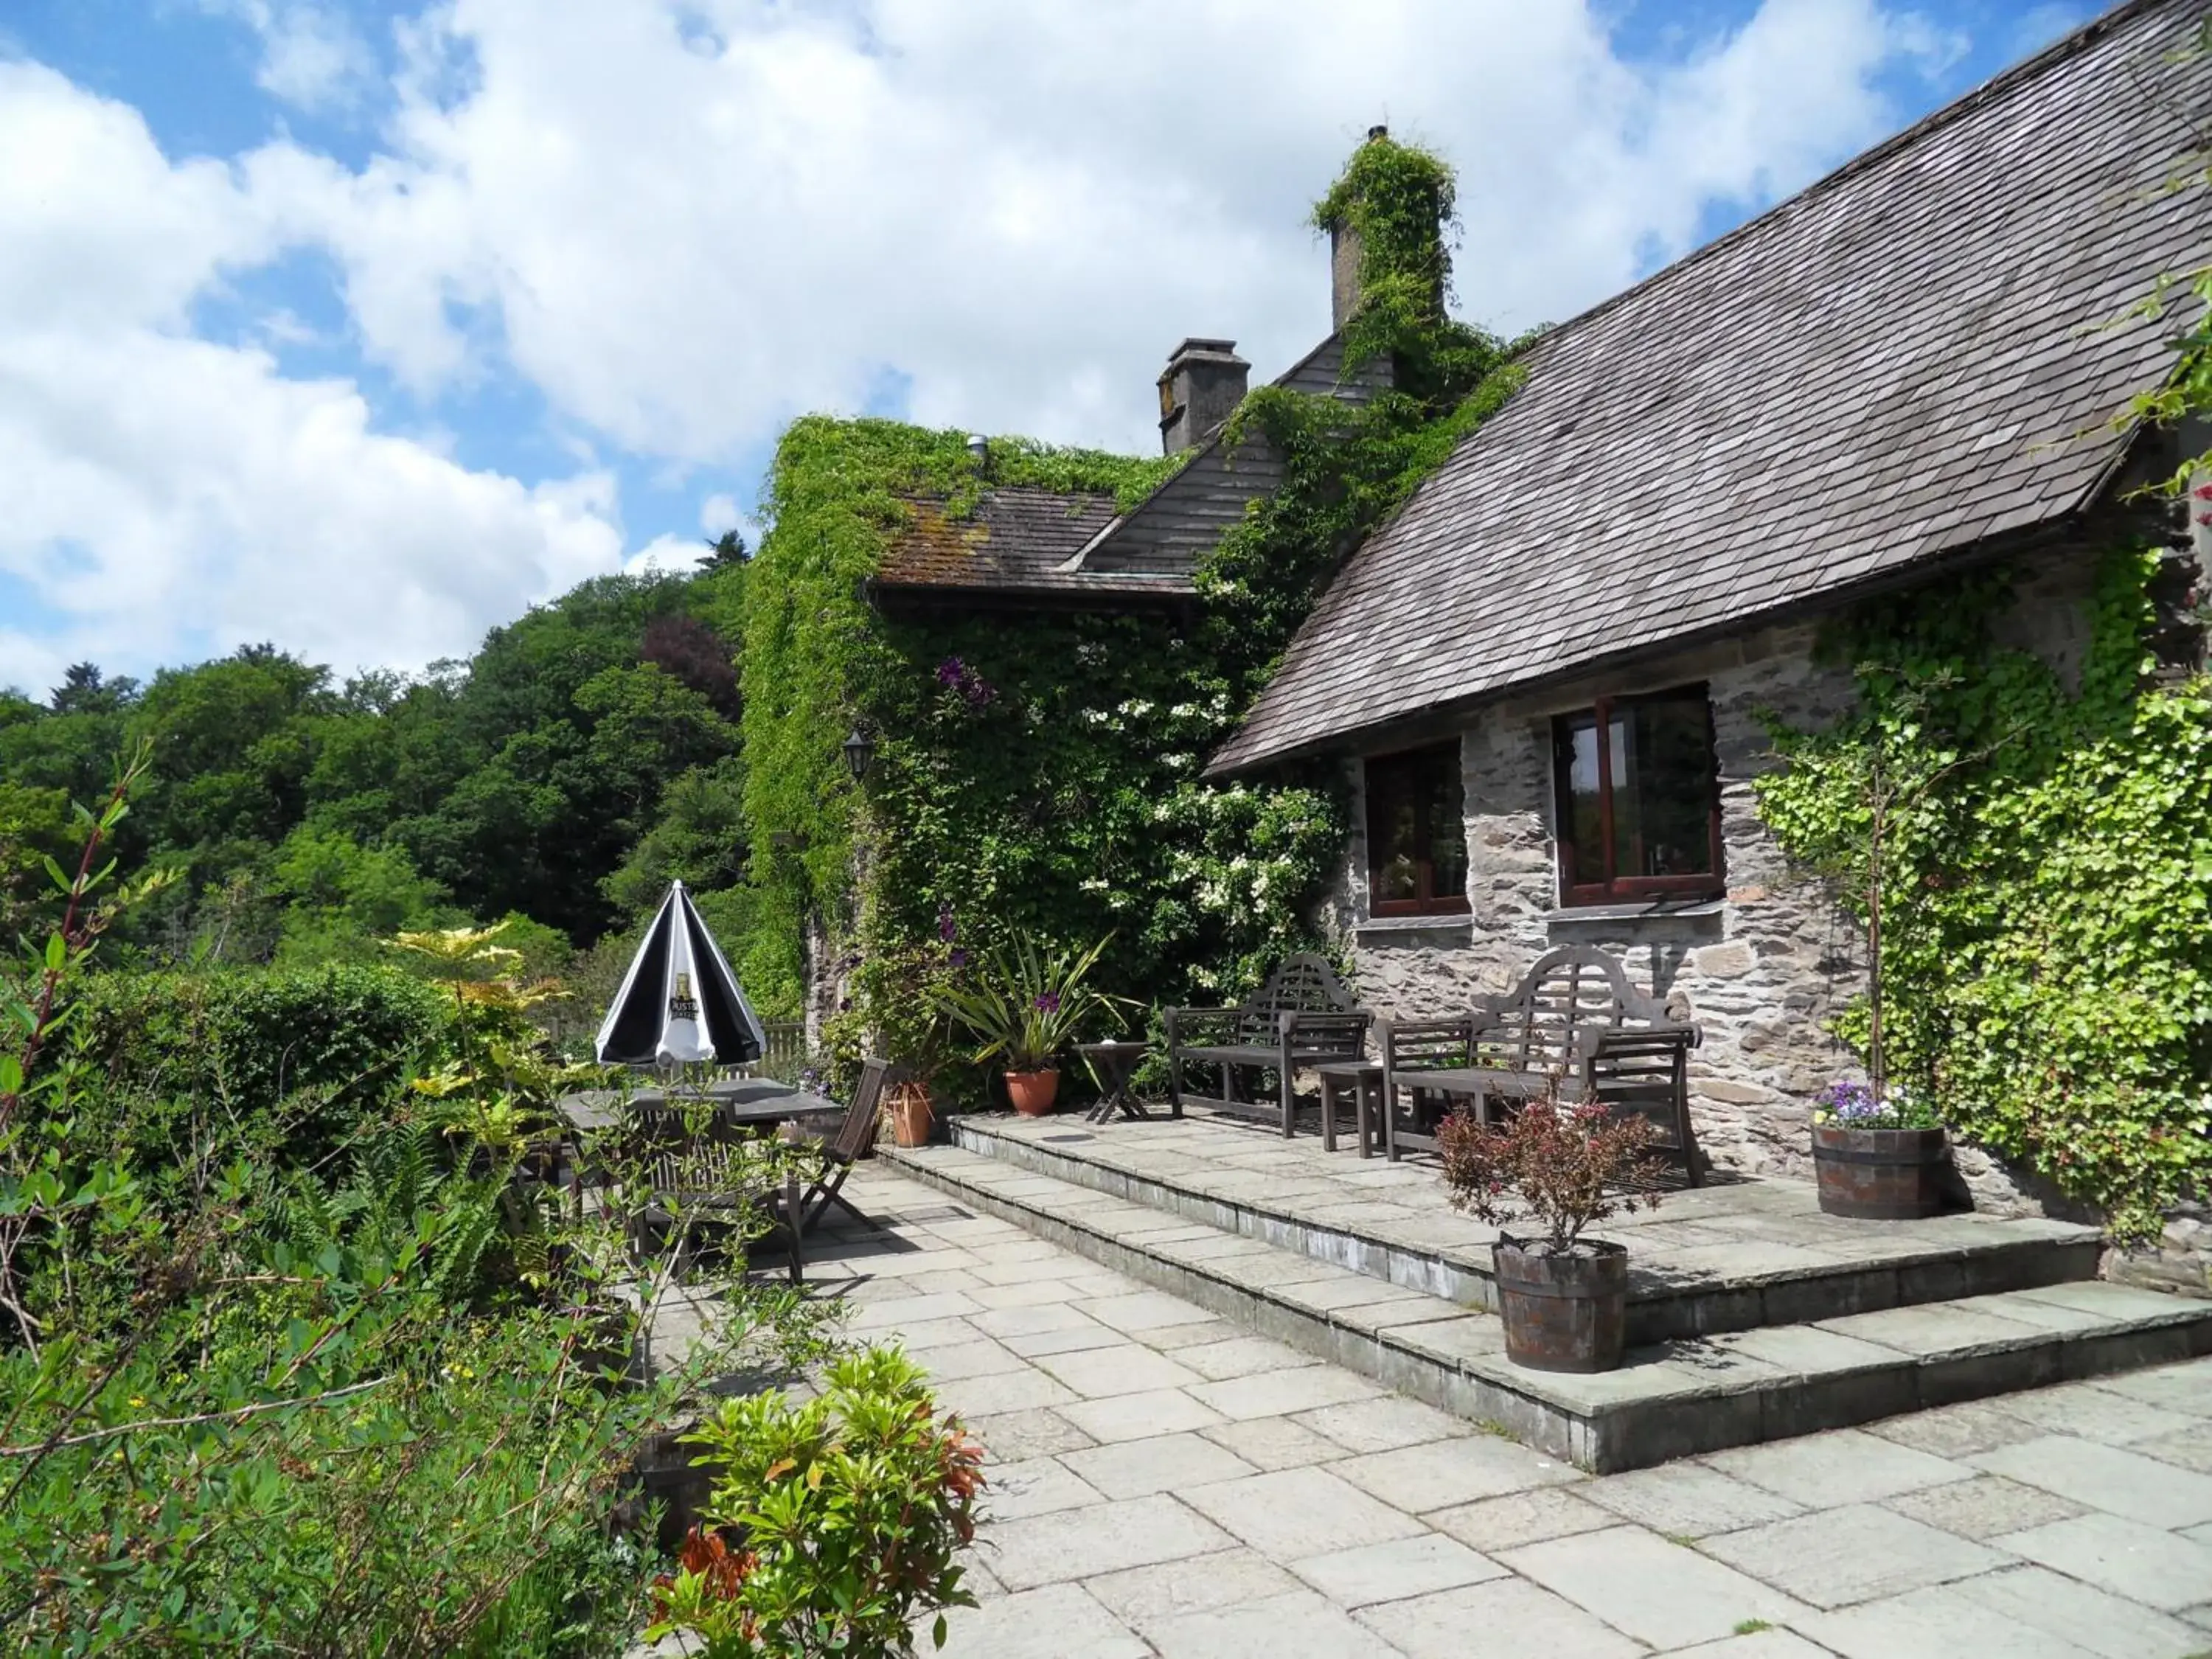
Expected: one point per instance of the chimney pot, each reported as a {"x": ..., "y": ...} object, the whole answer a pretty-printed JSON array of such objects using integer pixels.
[
  {"x": 1378, "y": 130},
  {"x": 1201, "y": 388},
  {"x": 979, "y": 451}
]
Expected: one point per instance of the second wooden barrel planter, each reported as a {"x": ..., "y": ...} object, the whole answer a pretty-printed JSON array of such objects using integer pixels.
[{"x": 1881, "y": 1175}]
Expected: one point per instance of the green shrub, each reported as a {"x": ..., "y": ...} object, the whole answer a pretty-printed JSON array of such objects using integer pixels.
[
  {"x": 850, "y": 1510},
  {"x": 253, "y": 1036}
]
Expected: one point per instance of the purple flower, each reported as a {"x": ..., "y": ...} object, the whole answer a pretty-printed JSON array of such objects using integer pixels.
[
  {"x": 947, "y": 929},
  {"x": 1849, "y": 1100},
  {"x": 955, "y": 675},
  {"x": 1049, "y": 1002},
  {"x": 958, "y": 959}
]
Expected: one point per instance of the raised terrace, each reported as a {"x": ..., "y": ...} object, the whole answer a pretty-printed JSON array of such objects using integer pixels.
[{"x": 1753, "y": 1315}]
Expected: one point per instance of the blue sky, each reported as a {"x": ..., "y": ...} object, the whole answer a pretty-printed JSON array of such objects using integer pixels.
[{"x": 360, "y": 326}]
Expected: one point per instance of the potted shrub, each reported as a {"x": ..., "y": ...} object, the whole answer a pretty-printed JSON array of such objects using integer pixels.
[
  {"x": 831, "y": 1525},
  {"x": 1563, "y": 1298},
  {"x": 1879, "y": 1157},
  {"x": 1023, "y": 1010}
]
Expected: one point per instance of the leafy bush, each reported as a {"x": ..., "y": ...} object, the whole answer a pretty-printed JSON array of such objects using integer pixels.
[
  {"x": 2046, "y": 919},
  {"x": 1569, "y": 1167},
  {"x": 324, "y": 1039},
  {"x": 249, "y": 1406},
  {"x": 847, "y": 1513}
]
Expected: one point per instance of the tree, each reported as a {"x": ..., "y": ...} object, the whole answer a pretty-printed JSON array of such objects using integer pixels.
[{"x": 727, "y": 548}]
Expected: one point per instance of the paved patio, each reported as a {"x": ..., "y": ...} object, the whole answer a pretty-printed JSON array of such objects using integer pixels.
[
  {"x": 1165, "y": 1482},
  {"x": 1734, "y": 1230}
]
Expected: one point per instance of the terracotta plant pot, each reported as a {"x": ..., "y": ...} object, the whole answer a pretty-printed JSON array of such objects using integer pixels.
[
  {"x": 911, "y": 1115},
  {"x": 1032, "y": 1093},
  {"x": 1881, "y": 1175},
  {"x": 1563, "y": 1313}
]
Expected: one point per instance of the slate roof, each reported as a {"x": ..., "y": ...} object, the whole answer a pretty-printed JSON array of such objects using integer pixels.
[
  {"x": 1018, "y": 541},
  {"x": 1186, "y": 515},
  {"x": 1887, "y": 368},
  {"x": 1038, "y": 545}
]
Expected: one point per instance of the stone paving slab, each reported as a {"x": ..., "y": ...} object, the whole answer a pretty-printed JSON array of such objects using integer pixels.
[{"x": 1314, "y": 1529}]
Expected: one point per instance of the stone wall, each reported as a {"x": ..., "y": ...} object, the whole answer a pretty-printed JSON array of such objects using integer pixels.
[{"x": 1763, "y": 971}]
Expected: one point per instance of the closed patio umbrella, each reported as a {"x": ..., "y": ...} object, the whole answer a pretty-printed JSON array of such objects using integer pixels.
[{"x": 679, "y": 1001}]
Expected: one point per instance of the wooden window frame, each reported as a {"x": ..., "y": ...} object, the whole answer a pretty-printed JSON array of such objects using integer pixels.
[
  {"x": 1575, "y": 892},
  {"x": 1428, "y": 901}
]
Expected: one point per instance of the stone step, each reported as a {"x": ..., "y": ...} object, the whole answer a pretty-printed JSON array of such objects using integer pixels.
[
  {"x": 1670, "y": 1400},
  {"x": 1761, "y": 1254}
]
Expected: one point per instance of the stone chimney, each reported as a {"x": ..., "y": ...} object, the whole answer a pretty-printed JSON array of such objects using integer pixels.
[
  {"x": 1202, "y": 384},
  {"x": 1344, "y": 251}
]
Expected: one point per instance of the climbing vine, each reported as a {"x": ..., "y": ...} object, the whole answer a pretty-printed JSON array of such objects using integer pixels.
[
  {"x": 1040, "y": 775},
  {"x": 2047, "y": 944}
]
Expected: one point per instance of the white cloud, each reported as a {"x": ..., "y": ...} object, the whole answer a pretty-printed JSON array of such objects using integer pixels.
[
  {"x": 312, "y": 56},
  {"x": 682, "y": 221},
  {"x": 718, "y": 513},
  {"x": 695, "y": 220},
  {"x": 170, "y": 495},
  {"x": 664, "y": 554}
]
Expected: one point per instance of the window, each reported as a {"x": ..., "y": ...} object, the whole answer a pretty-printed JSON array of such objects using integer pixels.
[
  {"x": 1416, "y": 834},
  {"x": 1640, "y": 813}
]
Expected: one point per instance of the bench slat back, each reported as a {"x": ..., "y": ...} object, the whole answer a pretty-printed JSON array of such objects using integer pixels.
[
  {"x": 1431, "y": 1045},
  {"x": 1304, "y": 984},
  {"x": 1536, "y": 1026}
]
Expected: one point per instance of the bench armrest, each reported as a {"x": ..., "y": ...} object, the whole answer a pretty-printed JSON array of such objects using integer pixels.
[{"x": 1596, "y": 1041}]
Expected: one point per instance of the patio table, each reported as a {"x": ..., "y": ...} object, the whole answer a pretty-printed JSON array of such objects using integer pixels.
[
  {"x": 1113, "y": 1063},
  {"x": 744, "y": 1100}
]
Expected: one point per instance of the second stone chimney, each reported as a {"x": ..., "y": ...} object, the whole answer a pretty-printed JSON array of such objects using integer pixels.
[{"x": 1201, "y": 386}]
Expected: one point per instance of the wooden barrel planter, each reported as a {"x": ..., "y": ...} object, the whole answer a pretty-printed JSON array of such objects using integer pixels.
[
  {"x": 1563, "y": 1313},
  {"x": 1881, "y": 1175}
]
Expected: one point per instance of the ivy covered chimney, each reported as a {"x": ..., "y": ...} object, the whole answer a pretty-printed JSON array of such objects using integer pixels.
[
  {"x": 1385, "y": 222},
  {"x": 1200, "y": 387}
]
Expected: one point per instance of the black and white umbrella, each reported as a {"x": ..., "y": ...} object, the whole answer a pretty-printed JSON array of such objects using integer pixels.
[{"x": 679, "y": 1001}]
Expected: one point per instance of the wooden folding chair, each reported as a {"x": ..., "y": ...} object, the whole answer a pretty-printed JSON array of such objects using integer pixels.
[{"x": 856, "y": 1134}]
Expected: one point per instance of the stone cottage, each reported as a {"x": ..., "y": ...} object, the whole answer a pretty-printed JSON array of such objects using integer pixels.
[{"x": 1544, "y": 676}]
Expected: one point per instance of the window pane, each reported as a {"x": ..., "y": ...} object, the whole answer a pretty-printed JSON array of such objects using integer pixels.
[
  {"x": 1416, "y": 839},
  {"x": 1662, "y": 783},
  {"x": 1447, "y": 827},
  {"x": 1581, "y": 822},
  {"x": 1392, "y": 834}
]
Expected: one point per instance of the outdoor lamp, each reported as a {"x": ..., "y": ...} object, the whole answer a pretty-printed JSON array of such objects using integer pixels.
[{"x": 859, "y": 752}]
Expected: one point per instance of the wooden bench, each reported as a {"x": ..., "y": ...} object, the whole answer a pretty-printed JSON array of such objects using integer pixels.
[
  {"x": 1303, "y": 1016},
  {"x": 1575, "y": 1023}
]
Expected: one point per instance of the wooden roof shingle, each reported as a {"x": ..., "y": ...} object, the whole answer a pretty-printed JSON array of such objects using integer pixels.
[{"x": 1900, "y": 361}]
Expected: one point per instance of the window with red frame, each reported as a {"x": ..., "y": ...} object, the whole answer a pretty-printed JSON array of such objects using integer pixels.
[
  {"x": 1417, "y": 833},
  {"x": 1639, "y": 807}
]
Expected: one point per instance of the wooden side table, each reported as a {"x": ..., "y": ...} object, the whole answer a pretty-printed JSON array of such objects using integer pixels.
[
  {"x": 1364, "y": 1079},
  {"x": 1112, "y": 1063}
]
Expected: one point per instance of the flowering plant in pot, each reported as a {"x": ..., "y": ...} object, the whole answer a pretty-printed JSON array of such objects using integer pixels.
[
  {"x": 1023, "y": 1008},
  {"x": 1563, "y": 1298},
  {"x": 1878, "y": 1156}
]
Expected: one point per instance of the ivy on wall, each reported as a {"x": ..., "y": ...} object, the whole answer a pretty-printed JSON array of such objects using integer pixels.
[
  {"x": 2047, "y": 940},
  {"x": 1039, "y": 775}
]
